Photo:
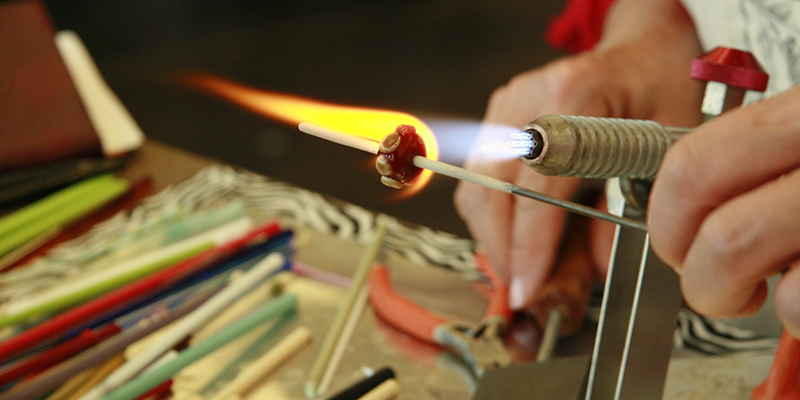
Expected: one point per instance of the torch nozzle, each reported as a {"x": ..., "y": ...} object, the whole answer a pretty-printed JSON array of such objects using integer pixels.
[
  {"x": 591, "y": 147},
  {"x": 526, "y": 144}
]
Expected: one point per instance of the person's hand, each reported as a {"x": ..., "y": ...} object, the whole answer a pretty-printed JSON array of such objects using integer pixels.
[
  {"x": 639, "y": 70},
  {"x": 725, "y": 210}
]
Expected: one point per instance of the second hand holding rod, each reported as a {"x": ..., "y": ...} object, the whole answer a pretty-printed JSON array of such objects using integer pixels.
[{"x": 453, "y": 171}]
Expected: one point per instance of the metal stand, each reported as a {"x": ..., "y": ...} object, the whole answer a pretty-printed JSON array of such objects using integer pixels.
[
  {"x": 634, "y": 339},
  {"x": 640, "y": 305}
]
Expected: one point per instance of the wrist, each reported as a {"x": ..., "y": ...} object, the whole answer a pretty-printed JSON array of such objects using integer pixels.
[{"x": 647, "y": 48}]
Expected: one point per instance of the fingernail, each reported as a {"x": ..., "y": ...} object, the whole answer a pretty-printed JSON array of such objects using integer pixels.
[{"x": 517, "y": 293}]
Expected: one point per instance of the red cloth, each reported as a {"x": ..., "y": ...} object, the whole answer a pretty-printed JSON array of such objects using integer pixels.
[
  {"x": 579, "y": 26},
  {"x": 42, "y": 118}
]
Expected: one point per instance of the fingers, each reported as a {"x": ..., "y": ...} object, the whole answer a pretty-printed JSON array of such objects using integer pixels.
[
  {"x": 491, "y": 216},
  {"x": 536, "y": 235},
  {"x": 728, "y": 156},
  {"x": 747, "y": 239},
  {"x": 534, "y": 229},
  {"x": 725, "y": 210},
  {"x": 569, "y": 285},
  {"x": 487, "y": 214}
]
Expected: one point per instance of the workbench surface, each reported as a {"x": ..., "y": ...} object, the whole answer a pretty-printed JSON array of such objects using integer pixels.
[{"x": 423, "y": 371}]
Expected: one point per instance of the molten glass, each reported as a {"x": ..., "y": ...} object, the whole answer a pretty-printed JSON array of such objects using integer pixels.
[{"x": 396, "y": 157}]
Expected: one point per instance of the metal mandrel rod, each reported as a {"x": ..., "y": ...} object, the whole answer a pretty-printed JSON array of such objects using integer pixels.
[
  {"x": 550, "y": 335},
  {"x": 496, "y": 184}
]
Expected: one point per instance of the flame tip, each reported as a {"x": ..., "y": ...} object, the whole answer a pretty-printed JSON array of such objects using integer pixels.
[{"x": 365, "y": 123}]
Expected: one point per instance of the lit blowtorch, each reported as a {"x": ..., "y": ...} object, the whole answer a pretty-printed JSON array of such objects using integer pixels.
[{"x": 589, "y": 147}]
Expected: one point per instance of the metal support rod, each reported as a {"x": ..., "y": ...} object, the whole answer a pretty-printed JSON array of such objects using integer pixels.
[{"x": 550, "y": 335}]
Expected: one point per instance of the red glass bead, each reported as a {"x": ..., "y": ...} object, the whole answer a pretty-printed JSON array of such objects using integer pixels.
[{"x": 396, "y": 157}]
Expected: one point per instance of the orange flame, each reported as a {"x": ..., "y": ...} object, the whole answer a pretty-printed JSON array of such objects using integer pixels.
[{"x": 368, "y": 123}]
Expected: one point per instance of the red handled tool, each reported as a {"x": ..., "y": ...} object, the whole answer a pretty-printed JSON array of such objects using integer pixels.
[
  {"x": 783, "y": 382},
  {"x": 481, "y": 346}
]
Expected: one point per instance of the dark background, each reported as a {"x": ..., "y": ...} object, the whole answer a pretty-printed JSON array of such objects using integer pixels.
[{"x": 434, "y": 59}]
